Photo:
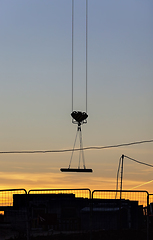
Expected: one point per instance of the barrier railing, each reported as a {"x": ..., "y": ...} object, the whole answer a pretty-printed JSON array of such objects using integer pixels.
[
  {"x": 77, "y": 211},
  {"x": 6, "y": 196},
  {"x": 150, "y": 198},
  {"x": 150, "y": 214},
  {"x": 80, "y": 192},
  {"x": 63, "y": 209},
  {"x": 13, "y": 217},
  {"x": 118, "y": 210},
  {"x": 140, "y": 196}
]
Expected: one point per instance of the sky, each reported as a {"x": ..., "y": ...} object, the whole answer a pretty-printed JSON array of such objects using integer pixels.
[{"x": 36, "y": 91}]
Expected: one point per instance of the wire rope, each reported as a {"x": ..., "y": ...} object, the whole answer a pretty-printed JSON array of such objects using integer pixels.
[
  {"x": 119, "y": 166},
  {"x": 72, "y": 46},
  {"x": 79, "y": 159},
  {"x": 117, "y": 176},
  {"x": 86, "y": 77},
  {"x": 146, "y": 164},
  {"x": 75, "y": 149},
  {"x": 81, "y": 146},
  {"x": 86, "y": 50}
]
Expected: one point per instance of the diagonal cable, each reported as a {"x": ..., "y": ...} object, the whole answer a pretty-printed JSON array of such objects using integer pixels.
[
  {"x": 117, "y": 177},
  {"x": 146, "y": 164},
  {"x": 73, "y": 148}
]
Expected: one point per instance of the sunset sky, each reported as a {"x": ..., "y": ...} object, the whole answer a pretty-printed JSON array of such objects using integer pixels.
[{"x": 35, "y": 91}]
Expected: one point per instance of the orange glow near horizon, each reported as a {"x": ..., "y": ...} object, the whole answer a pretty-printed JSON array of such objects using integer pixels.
[{"x": 59, "y": 180}]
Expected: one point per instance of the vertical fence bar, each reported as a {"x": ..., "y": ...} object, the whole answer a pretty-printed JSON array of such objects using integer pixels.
[
  {"x": 148, "y": 217},
  {"x": 150, "y": 214}
]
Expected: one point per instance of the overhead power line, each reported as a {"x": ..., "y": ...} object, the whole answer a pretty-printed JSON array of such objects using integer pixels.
[
  {"x": 149, "y": 165},
  {"x": 76, "y": 149}
]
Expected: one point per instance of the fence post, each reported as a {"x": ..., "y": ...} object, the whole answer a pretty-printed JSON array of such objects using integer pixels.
[
  {"x": 91, "y": 208},
  {"x": 28, "y": 217},
  {"x": 148, "y": 216}
]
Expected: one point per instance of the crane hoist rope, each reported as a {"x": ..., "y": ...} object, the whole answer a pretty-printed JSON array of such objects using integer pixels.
[
  {"x": 86, "y": 53},
  {"x": 78, "y": 117}
]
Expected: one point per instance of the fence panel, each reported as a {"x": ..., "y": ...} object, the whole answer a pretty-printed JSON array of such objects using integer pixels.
[
  {"x": 150, "y": 198},
  {"x": 56, "y": 211},
  {"x": 150, "y": 212},
  {"x": 13, "y": 214},
  {"x": 76, "y": 214},
  {"x": 79, "y": 193},
  {"x": 117, "y": 211}
]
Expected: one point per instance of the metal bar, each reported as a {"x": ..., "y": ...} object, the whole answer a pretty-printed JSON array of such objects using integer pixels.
[
  {"x": 60, "y": 189},
  {"x": 9, "y": 190},
  {"x": 148, "y": 217},
  {"x": 121, "y": 177},
  {"x": 76, "y": 170}
]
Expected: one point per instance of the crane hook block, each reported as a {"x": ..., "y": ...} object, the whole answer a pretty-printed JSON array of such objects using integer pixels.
[{"x": 79, "y": 117}]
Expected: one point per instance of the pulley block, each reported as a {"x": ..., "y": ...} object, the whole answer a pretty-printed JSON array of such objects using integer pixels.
[{"x": 79, "y": 117}]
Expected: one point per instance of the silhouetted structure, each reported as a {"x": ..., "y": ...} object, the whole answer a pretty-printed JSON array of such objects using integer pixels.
[{"x": 65, "y": 212}]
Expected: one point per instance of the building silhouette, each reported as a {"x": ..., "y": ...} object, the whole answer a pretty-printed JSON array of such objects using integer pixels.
[{"x": 66, "y": 212}]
